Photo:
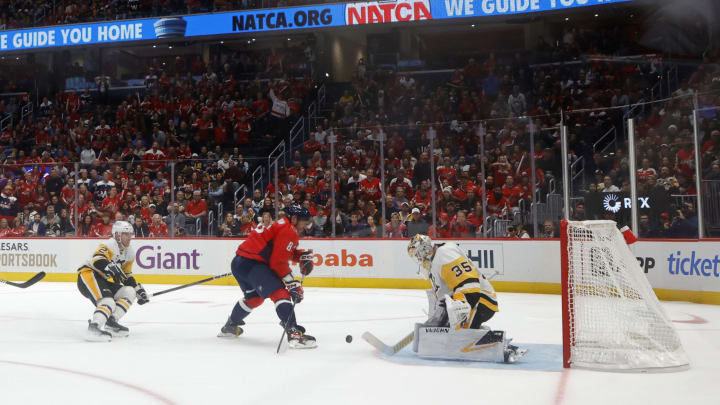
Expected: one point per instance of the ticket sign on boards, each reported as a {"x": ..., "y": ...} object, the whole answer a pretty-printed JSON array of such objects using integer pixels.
[{"x": 288, "y": 18}]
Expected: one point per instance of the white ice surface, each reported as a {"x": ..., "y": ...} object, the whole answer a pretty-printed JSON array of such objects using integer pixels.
[{"x": 173, "y": 357}]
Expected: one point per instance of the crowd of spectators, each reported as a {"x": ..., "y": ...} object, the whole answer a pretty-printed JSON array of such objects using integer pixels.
[
  {"x": 593, "y": 98},
  {"x": 203, "y": 124}
]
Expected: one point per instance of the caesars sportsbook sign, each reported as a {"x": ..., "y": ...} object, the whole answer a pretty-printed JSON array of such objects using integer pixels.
[{"x": 288, "y": 18}]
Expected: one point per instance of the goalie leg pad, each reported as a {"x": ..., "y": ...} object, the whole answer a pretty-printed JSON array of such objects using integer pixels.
[{"x": 462, "y": 344}]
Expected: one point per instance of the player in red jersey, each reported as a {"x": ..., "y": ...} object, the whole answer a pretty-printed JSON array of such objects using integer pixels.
[{"x": 262, "y": 269}]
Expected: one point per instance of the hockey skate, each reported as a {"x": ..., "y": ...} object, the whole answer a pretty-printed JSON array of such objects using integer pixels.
[
  {"x": 297, "y": 339},
  {"x": 513, "y": 353},
  {"x": 115, "y": 329},
  {"x": 231, "y": 330},
  {"x": 95, "y": 334}
]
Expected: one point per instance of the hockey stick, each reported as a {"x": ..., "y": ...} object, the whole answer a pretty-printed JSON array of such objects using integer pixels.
[
  {"x": 385, "y": 349},
  {"x": 28, "y": 283},
  {"x": 180, "y": 287},
  {"x": 283, "y": 344}
]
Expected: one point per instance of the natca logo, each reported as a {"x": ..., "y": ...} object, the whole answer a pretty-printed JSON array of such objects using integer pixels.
[
  {"x": 385, "y": 12},
  {"x": 152, "y": 257}
]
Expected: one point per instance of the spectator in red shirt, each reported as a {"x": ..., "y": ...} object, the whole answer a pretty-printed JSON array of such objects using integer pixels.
[
  {"x": 462, "y": 228},
  {"x": 511, "y": 191},
  {"x": 196, "y": 208},
  {"x": 370, "y": 187},
  {"x": 395, "y": 228},
  {"x": 442, "y": 230},
  {"x": 476, "y": 217},
  {"x": 153, "y": 157},
  {"x": 18, "y": 228},
  {"x": 111, "y": 203},
  {"x": 102, "y": 229},
  {"x": 158, "y": 228},
  {"x": 26, "y": 191},
  {"x": 497, "y": 202}
]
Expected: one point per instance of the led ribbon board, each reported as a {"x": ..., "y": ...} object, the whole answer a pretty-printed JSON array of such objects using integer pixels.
[{"x": 290, "y": 18}]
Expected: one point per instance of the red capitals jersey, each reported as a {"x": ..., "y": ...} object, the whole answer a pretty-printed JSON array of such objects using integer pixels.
[
  {"x": 370, "y": 188},
  {"x": 158, "y": 230},
  {"x": 275, "y": 245}
]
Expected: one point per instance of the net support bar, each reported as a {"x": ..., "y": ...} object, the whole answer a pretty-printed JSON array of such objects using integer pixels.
[
  {"x": 565, "y": 170},
  {"x": 632, "y": 163}
]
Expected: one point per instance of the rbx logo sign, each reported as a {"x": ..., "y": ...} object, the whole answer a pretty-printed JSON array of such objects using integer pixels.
[
  {"x": 614, "y": 203},
  {"x": 485, "y": 256}
]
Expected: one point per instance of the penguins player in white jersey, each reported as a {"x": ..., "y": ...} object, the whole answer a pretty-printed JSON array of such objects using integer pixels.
[
  {"x": 461, "y": 298},
  {"x": 106, "y": 279}
]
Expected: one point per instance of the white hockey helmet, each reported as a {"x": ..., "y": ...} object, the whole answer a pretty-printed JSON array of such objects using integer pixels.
[
  {"x": 119, "y": 228},
  {"x": 420, "y": 249}
]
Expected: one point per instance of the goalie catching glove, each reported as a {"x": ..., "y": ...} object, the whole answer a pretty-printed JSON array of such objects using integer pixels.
[{"x": 457, "y": 310}]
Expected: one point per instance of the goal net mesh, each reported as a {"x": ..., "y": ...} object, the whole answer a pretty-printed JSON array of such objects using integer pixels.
[{"x": 615, "y": 319}]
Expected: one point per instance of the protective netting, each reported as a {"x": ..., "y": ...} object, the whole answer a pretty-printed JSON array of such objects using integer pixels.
[{"x": 615, "y": 322}]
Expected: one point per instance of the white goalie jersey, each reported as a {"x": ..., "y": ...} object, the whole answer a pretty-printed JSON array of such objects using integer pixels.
[{"x": 454, "y": 275}]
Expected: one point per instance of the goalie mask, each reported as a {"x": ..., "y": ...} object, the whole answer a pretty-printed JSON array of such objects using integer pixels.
[
  {"x": 122, "y": 232},
  {"x": 420, "y": 249}
]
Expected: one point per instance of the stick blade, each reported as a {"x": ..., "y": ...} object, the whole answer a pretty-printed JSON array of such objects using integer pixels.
[
  {"x": 28, "y": 283},
  {"x": 35, "y": 279},
  {"x": 377, "y": 343},
  {"x": 385, "y": 349}
]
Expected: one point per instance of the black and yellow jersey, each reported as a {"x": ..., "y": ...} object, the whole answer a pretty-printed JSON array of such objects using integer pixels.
[
  {"x": 453, "y": 274},
  {"x": 109, "y": 252}
]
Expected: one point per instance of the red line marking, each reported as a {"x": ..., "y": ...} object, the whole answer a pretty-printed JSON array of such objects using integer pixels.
[
  {"x": 129, "y": 386},
  {"x": 695, "y": 320},
  {"x": 560, "y": 393}
]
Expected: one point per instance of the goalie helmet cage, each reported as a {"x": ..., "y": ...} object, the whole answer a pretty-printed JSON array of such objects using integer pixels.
[{"x": 612, "y": 319}]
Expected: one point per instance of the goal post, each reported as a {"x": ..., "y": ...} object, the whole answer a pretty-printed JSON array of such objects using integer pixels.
[{"x": 612, "y": 319}]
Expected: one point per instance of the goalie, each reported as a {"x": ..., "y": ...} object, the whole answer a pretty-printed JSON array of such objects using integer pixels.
[{"x": 461, "y": 300}]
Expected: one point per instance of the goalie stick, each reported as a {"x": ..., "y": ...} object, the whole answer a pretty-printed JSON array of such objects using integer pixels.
[
  {"x": 180, "y": 287},
  {"x": 385, "y": 349},
  {"x": 26, "y": 284}
]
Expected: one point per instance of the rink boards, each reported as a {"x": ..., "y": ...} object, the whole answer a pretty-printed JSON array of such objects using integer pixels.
[{"x": 678, "y": 270}]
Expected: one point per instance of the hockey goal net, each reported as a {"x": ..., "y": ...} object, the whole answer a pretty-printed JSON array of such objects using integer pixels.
[{"x": 612, "y": 319}]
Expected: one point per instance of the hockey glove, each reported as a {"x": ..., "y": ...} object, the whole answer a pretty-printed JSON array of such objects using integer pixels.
[
  {"x": 116, "y": 272},
  {"x": 457, "y": 310},
  {"x": 306, "y": 263},
  {"x": 296, "y": 291},
  {"x": 142, "y": 295}
]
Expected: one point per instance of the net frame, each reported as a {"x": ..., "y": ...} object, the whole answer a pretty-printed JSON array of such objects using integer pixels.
[{"x": 612, "y": 319}]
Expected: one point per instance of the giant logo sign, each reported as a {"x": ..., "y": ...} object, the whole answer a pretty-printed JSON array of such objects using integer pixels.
[{"x": 288, "y": 18}]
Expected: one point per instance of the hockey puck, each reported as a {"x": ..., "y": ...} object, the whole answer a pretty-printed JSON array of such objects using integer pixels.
[{"x": 348, "y": 338}]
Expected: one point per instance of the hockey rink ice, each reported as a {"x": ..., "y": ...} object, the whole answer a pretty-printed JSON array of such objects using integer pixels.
[{"x": 172, "y": 355}]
